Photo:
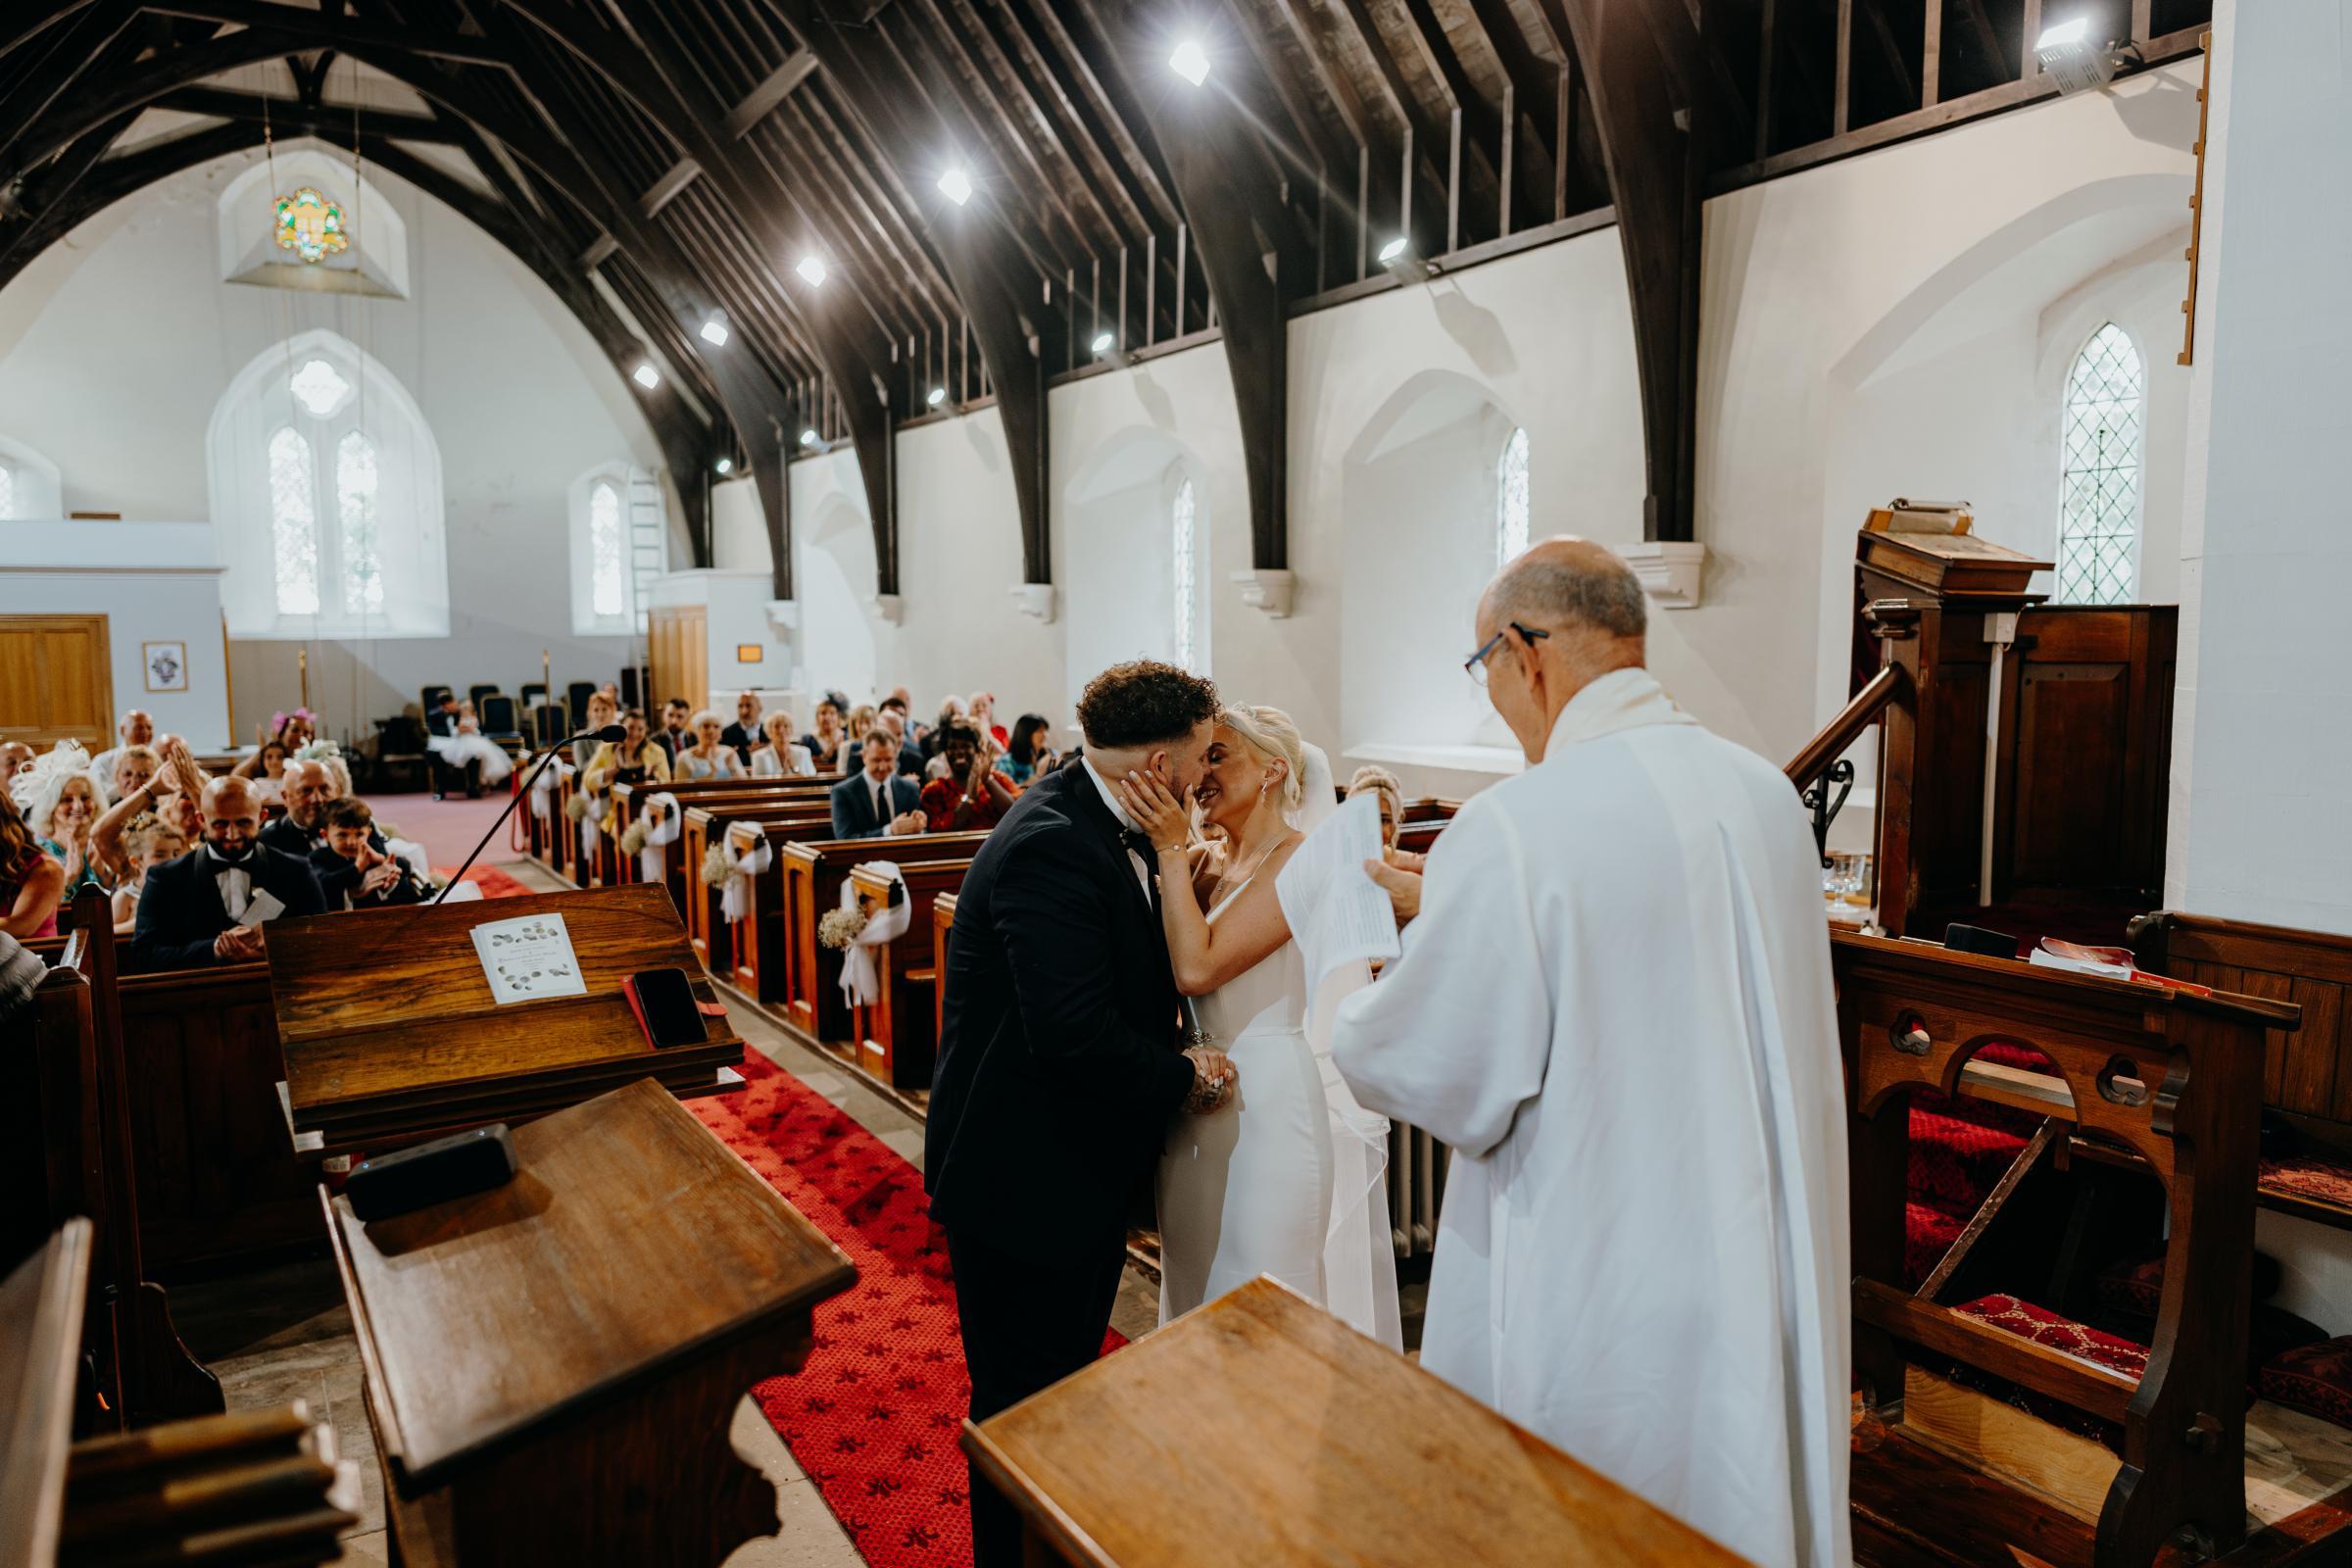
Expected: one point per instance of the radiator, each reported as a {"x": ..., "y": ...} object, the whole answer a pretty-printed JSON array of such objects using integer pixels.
[{"x": 1416, "y": 1183}]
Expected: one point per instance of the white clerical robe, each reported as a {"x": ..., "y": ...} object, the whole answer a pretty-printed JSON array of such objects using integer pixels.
[{"x": 1615, "y": 1006}]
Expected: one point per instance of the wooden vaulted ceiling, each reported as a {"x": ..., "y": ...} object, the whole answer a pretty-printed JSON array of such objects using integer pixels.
[{"x": 663, "y": 161}]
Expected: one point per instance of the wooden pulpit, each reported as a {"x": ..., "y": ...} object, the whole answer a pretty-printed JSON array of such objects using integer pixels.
[
  {"x": 390, "y": 1032},
  {"x": 1262, "y": 1430},
  {"x": 553, "y": 1365}
]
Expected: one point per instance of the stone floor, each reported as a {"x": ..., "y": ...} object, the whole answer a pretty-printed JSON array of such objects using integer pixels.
[{"x": 284, "y": 1334}]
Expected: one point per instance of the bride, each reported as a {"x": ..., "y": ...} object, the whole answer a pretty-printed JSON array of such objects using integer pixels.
[{"x": 1288, "y": 1178}]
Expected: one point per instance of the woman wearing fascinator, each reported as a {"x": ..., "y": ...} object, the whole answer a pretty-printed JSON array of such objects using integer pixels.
[{"x": 1288, "y": 1178}]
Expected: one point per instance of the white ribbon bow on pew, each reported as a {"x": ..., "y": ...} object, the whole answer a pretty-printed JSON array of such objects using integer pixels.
[
  {"x": 861, "y": 977},
  {"x": 543, "y": 793},
  {"x": 735, "y": 892},
  {"x": 655, "y": 838}
]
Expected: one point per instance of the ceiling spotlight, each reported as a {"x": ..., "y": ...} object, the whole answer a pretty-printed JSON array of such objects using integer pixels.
[
  {"x": 725, "y": 466},
  {"x": 715, "y": 331},
  {"x": 956, "y": 186},
  {"x": 812, "y": 268},
  {"x": 1394, "y": 249},
  {"x": 1408, "y": 264},
  {"x": 1191, "y": 62},
  {"x": 1103, "y": 343},
  {"x": 645, "y": 376},
  {"x": 2074, "y": 60},
  {"x": 809, "y": 438},
  {"x": 939, "y": 395}
]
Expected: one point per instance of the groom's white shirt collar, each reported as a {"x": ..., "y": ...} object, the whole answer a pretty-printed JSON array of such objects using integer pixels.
[{"x": 1110, "y": 797}]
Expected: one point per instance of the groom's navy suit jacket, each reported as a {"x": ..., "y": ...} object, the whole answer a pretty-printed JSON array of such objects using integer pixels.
[{"x": 1060, "y": 1060}]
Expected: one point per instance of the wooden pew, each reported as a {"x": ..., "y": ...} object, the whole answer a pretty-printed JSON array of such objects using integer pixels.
[
  {"x": 896, "y": 1035},
  {"x": 2306, "y": 1073},
  {"x": 760, "y": 946},
  {"x": 628, "y": 800},
  {"x": 2166, "y": 1084},
  {"x": 71, "y": 1151},
  {"x": 1161, "y": 1454},
  {"x": 943, "y": 927},
  {"x": 716, "y": 820},
  {"x": 553, "y": 1365},
  {"x": 814, "y": 874}
]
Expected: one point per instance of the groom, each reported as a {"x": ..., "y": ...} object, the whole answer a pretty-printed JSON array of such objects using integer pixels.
[{"x": 1060, "y": 1063}]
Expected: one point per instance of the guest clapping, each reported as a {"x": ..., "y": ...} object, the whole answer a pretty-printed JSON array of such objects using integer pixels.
[
  {"x": 1030, "y": 752},
  {"x": 61, "y": 806},
  {"x": 782, "y": 757},
  {"x": 30, "y": 881},
  {"x": 352, "y": 872},
  {"x": 636, "y": 759},
  {"x": 973, "y": 795}
]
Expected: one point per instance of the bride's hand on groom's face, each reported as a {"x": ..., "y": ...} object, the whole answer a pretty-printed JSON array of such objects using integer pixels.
[{"x": 1160, "y": 814}]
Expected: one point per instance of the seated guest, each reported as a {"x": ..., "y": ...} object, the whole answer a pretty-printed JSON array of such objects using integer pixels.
[
  {"x": 782, "y": 757},
  {"x": 910, "y": 734},
  {"x": 296, "y": 729},
  {"x": 270, "y": 775},
  {"x": 30, "y": 881},
  {"x": 910, "y": 761},
  {"x": 312, "y": 786},
  {"x": 1370, "y": 780},
  {"x": 355, "y": 875},
  {"x": 950, "y": 708},
  {"x": 877, "y": 802},
  {"x": 136, "y": 729},
  {"x": 983, "y": 715},
  {"x": 147, "y": 843},
  {"x": 973, "y": 795},
  {"x": 163, "y": 785},
  {"x": 826, "y": 742},
  {"x": 861, "y": 720},
  {"x": 131, "y": 769},
  {"x": 743, "y": 733},
  {"x": 710, "y": 756},
  {"x": 636, "y": 758},
  {"x": 194, "y": 908},
  {"x": 673, "y": 736},
  {"x": 465, "y": 751},
  {"x": 15, "y": 758},
  {"x": 1030, "y": 752},
  {"x": 443, "y": 720},
  {"x": 60, "y": 807}
]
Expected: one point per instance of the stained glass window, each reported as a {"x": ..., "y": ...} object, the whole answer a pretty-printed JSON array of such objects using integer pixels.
[
  {"x": 2098, "y": 520},
  {"x": 294, "y": 522},
  {"x": 1510, "y": 499},
  {"x": 309, "y": 226},
  {"x": 319, "y": 387},
  {"x": 1180, "y": 518},
  {"x": 607, "y": 573},
  {"x": 355, "y": 501},
  {"x": 8, "y": 491}
]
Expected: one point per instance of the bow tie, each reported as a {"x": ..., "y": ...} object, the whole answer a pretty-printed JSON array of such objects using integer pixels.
[
  {"x": 1136, "y": 840},
  {"x": 221, "y": 863}
]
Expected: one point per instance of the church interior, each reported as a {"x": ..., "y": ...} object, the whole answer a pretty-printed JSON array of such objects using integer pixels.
[{"x": 487, "y": 487}]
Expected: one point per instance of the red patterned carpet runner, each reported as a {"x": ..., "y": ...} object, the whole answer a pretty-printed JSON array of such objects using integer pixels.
[
  {"x": 494, "y": 883},
  {"x": 874, "y": 1417}
]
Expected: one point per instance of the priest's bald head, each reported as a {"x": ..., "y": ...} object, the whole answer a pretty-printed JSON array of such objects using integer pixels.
[{"x": 1563, "y": 615}]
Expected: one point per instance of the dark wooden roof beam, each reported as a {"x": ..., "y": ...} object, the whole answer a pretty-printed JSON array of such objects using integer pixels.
[
  {"x": 286, "y": 117},
  {"x": 321, "y": 28},
  {"x": 764, "y": 99},
  {"x": 681, "y": 174}
]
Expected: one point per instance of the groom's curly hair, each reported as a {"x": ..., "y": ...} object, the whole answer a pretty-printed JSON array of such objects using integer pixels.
[{"x": 1144, "y": 703}]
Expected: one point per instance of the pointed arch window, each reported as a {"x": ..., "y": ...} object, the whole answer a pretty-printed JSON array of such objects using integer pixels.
[
  {"x": 327, "y": 497},
  {"x": 2099, "y": 501},
  {"x": 1510, "y": 499},
  {"x": 608, "y": 564},
  {"x": 1186, "y": 606}
]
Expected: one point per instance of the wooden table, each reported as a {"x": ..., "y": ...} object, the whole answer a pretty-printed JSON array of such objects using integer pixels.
[
  {"x": 1262, "y": 1430},
  {"x": 390, "y": 1033},
  {"x": 553, "y": 1365}
]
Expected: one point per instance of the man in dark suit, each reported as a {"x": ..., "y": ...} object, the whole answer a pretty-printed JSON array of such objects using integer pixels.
[
  {"x": 194, "y": 910},
  {"x": 1060, "y": 1063},
  {"x": 671, "y": 737},
  {"x": 877, "y": 800},
  {"x": 744, "y": 734},
  {"x": 911, "y": 759}
]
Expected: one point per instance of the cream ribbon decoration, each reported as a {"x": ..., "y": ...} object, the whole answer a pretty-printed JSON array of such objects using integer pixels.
[
  {"x": 650, "y": 841},
  {"x": 861, "y": 977},
  {"x": 737, "y": 867}
]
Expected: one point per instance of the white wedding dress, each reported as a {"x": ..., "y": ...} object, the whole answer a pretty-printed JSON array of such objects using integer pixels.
[
  {"x": 1288, "y": 1177},
  {"x": 469, "y": 745}
]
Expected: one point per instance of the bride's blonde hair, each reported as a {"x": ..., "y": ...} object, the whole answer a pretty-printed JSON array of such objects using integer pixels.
[{"x": 1269, "y": 732}]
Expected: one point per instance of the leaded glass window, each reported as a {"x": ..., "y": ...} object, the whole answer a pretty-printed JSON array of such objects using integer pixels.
[
  {"x": 293, "y": 523},
  {"x": 319, "y": 387},
  {"x": 8, "y": 491},
  {"x": 607, "y": 567},
  {"x": 1510, "y": 499},
  {"x": 1179, "y": 533},
  {"x": 356, "y": 493},
  {"x": 2098, "y": 522}
]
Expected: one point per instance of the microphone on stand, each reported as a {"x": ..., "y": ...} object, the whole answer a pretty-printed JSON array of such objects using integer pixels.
[{"x": 609, "y": 733}]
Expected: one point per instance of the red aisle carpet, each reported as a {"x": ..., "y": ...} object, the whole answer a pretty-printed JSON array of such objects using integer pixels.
[
  {"x": 494, "y": 883},
  {"x": 874, "y": 1417}
]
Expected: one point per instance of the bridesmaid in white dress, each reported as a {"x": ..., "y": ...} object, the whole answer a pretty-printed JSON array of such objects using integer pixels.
[{"x": 1252, "y": 1189}]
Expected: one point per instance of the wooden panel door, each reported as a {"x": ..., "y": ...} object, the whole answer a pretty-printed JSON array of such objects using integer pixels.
[
  {"x": 675, "y": 641},
  {"x": 55, "y": 681}
]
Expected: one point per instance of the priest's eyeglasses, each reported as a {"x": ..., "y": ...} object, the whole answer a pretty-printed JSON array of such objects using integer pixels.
[{"x": 1476, "y": 664}]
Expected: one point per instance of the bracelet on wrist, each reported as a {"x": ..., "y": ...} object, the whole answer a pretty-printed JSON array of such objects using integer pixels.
[{"x": 1167, "y": 849}]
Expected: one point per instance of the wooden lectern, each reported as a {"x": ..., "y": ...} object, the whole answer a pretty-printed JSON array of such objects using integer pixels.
[
  {"x": 553, "y": 1365},
  {"x": 1262, "y": 1430},
  {"x": 390, "y": 1033}
]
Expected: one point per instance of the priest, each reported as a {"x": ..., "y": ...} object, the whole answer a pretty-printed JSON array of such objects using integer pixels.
[{"x": 1614, "y": 1004}]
